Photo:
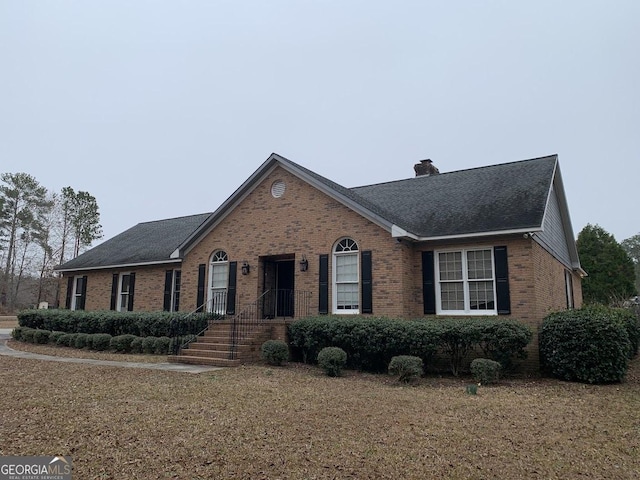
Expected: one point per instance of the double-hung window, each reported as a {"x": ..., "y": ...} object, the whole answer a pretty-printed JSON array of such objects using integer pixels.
[
  {"x": 568, "y": 285},
  {"x": 218, "y": 282},
  {"x": 79, "y": 293},
  {"x": 346, "y": 279},
  {"x": 175, "y": 290},
  {"x": 465, "y": 282},
  {"x": 124, "y": 291}
]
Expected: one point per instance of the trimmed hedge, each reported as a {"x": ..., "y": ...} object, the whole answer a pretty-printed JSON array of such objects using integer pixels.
[
  {"x": 100, "y": 341},
  {"x": 122, "y": 343},
  {"x": 371, "y": 342},
  {"x": 81, "y": 340},
  {"x": 96, "y": 341},
  {"x": 589, "y": 345},
  {"x": 53, "y": 338},
  {"x": 162, "y": 346},
  {"x": 141, "y": 324},
  {"x": 149, "y": 344}
]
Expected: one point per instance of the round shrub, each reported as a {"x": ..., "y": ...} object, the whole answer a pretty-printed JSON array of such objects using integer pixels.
[
  {"x": 136, "y": 345},
  {"x": 41, "y": 336},
  {"x": 100, "y": 341},
  {"x": 149, "y": 344},
  {"x": 16, "y": 333},
  {"x": 588, "y": 345},
  {"x": 27, "y": 335},
  {"x": 485, "y": 371},
  {"x": 122, "y": 343},
  {"x": 406, "y": 367},
  {"x": 332, "y": 360},
  {"x": 67, "y": 340},
  {"x": 162, "y": 346},
  {"x": 275, "y": 352},
  {"x": 53, "y": 338},
  {"x": 81, "y": 340}
]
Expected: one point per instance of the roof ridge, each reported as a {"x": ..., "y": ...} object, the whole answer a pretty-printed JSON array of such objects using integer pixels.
[
  {"x": 455, "y": 171},
  {"x": 174, "y": 218}
]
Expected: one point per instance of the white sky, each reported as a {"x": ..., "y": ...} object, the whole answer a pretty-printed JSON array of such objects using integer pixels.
[{"x": 163, "y": 108}]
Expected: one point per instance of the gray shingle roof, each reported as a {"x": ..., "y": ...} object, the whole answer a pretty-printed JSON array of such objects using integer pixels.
[
  {"x": 498, "y": 198},
  {"x": 509, "y": 196},
  {"x": 148, "y": 242}
]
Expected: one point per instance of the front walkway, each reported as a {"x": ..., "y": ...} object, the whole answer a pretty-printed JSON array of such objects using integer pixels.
[{"x": 5, "y": 334}]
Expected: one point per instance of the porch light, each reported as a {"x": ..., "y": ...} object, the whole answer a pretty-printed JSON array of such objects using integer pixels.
[
  {"x": 304, "y": 264},
  {"x": 245, "y": 268}
]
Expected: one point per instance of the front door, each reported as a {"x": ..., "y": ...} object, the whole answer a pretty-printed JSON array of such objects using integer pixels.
[{"x": 285, "y": 287}]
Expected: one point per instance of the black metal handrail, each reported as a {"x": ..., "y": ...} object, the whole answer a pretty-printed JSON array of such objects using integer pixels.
[
  {"x": 271, "y": 304},
  {"x": 181, "y": 341}
]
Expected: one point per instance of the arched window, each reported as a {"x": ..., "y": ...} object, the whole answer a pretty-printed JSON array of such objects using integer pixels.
[
  {"x": 218, "y": 282},
  {"x": 346, "y": 290}
]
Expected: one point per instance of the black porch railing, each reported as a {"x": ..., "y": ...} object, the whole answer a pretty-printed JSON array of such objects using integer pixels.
[
  {"x": 271, "y": 304},
  {"x": 181, "y": 330}
]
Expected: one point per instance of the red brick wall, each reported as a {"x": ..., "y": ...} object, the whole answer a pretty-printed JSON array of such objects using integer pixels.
[
  {"x": 148, "y": 293},
  {"x": 303, "y": 221}
]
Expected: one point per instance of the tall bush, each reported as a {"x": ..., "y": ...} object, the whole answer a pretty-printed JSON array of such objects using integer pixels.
[{"x": 588, "y": 345}]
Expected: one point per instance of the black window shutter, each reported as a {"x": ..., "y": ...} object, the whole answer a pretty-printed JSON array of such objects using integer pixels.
[
  {"x": 83, "y": 294},
  {"x": 168, "y": 277},
  {"x": 428, "y": 284},
  {"x": 67, "y": 301},
  {"x": 202, "y": 268},
  {"x": 323, "y": 301},
  {"x": 367, "y": 286},
  {"x": 231, "y": 288},
  {"x": 114, "y": 291},
  {"x": 132, "y": 288},
  {"x": 503, "y": 300}
]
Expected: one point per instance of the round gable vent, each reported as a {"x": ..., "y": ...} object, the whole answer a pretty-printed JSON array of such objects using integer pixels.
[{"x": 278, "y": 188}]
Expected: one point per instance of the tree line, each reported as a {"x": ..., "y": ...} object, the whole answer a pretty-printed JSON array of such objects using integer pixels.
[
  {"x": 40, "y": 229},
  {"x": 613, "y": 269}
]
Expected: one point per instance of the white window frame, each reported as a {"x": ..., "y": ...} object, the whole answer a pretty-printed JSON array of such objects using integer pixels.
[
  {"x": 348, "y": 247},
  {"x": 175, "y": 291},
  {"x": 122, "y": 294},
  {"x": 219, "y": 260},
  {"x": 568, "y": 285},
  {"x": 75, "y": 295},
  {"x": 465, "y": 282}
]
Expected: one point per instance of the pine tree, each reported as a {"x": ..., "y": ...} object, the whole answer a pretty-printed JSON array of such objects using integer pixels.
[{"x": 609, "y": 268}]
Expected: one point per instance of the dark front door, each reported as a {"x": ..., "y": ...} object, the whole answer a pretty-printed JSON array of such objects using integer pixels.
[{"x": 285, "y": 270}]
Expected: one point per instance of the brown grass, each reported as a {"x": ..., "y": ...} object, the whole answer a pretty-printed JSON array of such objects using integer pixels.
[
  {"x": 56, "y": 351},
  {"x": 8, "y": 323},
  {"x": 294, "y": 423}
]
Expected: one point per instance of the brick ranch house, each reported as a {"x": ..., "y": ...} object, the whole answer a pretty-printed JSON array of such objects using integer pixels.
[{"x": 494, "y": 240}]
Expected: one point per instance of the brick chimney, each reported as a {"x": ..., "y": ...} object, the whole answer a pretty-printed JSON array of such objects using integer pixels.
[{"x": 425, "y": 168}]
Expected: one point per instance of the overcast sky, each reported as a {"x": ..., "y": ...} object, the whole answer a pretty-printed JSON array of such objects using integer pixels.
[{"x": 163, "y": 108}]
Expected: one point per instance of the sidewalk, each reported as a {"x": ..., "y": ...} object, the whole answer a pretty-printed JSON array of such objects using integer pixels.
[{"x": 5, "y": 334}]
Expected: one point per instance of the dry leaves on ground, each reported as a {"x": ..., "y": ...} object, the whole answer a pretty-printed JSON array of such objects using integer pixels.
[{"x": 294, "y": 422}]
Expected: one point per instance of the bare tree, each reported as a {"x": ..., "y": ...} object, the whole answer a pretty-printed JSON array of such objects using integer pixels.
[{"x": 24, "y": 203}]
